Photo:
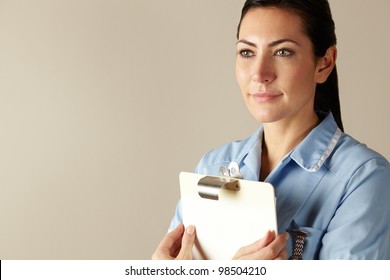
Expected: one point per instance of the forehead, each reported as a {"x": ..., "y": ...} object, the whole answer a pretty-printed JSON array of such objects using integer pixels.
[{"x": 271, "y": 22}]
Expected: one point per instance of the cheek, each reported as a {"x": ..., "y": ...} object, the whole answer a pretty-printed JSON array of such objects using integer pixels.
[
  {"x": 243, "y": 77},
  {"x": 302, "y": 79}
]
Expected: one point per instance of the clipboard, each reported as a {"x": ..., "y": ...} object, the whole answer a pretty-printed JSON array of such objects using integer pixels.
[{"x": 228, "y": 213}]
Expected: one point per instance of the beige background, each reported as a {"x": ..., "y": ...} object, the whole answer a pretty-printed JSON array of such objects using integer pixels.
[{"x": 104, "y": 102}]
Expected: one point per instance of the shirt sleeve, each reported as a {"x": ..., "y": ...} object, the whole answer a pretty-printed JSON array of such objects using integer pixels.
[
  {"x": 177, "y": 218},
  {"x": 360, "y": 228}
]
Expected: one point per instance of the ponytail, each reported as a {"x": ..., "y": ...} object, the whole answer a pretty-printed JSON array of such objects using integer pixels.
[{"x": 327, "y": 98}]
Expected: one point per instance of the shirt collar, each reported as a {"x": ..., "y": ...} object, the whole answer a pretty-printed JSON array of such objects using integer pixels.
[
  {"x": 310, "y": 154},
  {"x": 250, "y": 154},
  {"x": 315, "y": 149}
]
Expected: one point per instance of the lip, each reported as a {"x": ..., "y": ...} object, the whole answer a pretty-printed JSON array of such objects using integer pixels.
[{"x": 265, "y": 96}]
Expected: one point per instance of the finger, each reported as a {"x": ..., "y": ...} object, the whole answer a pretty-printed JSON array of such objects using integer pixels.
[
  {"x": 273, "y": 250},
  {"x": 172, "y": 237},
  {"x": 283, "y": 255},
  {"x": 256, "y": 246},
  {"x": 169, "y": 244},
  {"x": 175, "y": 249},
  {"x": 187, "y": 243}
]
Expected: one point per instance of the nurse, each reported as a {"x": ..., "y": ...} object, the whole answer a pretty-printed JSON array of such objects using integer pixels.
[{"x": 332, "y": 191}]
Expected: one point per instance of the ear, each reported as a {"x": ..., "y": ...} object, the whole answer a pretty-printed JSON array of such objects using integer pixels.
[{"x": 325, "y": 65}]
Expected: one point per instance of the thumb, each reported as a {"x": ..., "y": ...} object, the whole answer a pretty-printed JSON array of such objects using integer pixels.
[
  {"x": 255, "y": 246},
  {"x": 187, "y": 244}
]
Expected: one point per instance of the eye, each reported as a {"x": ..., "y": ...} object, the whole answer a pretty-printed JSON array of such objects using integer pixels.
[
  {"x": 284, "y": 53},
  {"x": 246, "y": 53}
]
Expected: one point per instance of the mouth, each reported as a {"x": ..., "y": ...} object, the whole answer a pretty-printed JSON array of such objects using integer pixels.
[{"x": 263, "y": 97}]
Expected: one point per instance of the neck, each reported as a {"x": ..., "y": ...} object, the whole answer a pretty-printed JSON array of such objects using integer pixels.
[{"x": 281, "y": 137}]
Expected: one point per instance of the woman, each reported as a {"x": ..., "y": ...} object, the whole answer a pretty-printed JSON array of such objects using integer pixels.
[{"x": 332, "y": 191}]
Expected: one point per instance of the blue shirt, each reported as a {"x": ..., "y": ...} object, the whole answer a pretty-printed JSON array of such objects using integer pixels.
[{"x": 330, "y": 186}]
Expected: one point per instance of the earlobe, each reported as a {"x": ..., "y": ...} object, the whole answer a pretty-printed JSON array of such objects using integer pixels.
[{"x": 325, "y": 65}]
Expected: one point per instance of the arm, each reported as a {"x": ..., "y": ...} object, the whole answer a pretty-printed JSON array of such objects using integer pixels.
[{"x": 360, "y": 228}]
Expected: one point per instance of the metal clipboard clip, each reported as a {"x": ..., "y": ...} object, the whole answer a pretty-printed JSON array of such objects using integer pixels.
[
  {"x": 232, "y": 171},
  {"x": 210, "y": 186}
]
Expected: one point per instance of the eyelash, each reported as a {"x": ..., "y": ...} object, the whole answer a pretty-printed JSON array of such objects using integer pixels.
[
  {"x": 286, "y": 53},
  {"x": 246, "y": 53}
]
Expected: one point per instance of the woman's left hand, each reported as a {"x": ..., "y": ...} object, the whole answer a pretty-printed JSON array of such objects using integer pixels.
[{"x": 270, "y": 247}]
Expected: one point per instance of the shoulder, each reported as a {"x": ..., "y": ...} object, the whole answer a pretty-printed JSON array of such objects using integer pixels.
[{"x": 351, "y": 156}]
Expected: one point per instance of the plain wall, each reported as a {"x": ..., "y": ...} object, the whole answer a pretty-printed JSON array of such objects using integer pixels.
[{"x": 104, "y": 102}]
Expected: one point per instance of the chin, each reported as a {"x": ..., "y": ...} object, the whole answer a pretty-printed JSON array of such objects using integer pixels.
[
  {"x": 266, "y": 118},
  {"x": 266, "y": 113}
]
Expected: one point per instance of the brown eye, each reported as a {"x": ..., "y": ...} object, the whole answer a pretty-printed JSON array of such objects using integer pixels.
[
  {"x": 284, "y": 53},
  {"x": 246, "y": 53}
]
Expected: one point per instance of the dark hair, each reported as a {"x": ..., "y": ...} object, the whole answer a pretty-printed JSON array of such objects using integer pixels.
[{"x": 320, "y": 28}]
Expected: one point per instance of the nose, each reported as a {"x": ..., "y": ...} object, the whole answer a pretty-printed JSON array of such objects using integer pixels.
[{"x": 263, "y": 70}]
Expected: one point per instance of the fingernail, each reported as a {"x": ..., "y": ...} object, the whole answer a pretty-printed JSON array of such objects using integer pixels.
[
  {"x": 286, "y": 235},
  {"x": 190, "y": 230}
]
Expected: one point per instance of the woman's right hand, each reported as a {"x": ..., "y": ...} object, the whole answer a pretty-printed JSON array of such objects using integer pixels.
[
  {"x": 270, "y": 247},
  {"x": 177, "y": 244}
]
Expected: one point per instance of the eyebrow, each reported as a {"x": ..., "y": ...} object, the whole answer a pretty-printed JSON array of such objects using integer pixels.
[{"x": 272, "y": 44}]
